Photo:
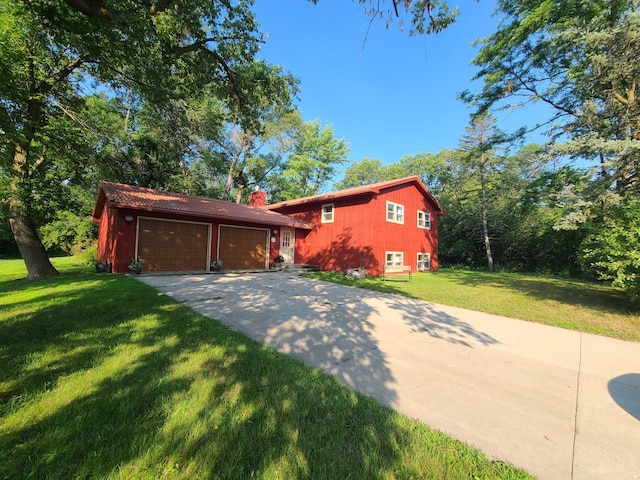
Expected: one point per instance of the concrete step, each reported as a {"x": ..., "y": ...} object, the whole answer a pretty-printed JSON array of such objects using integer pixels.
[{"x": 300, "y": 267}]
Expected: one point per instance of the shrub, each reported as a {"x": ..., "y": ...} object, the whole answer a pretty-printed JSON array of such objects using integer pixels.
[
  {"x": 69, "y": 232},
  {"x": 613, "y": 251}
]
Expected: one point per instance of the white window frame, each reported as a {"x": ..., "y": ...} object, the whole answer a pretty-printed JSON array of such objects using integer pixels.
[
  {"x": 423, "y": 261},
  {"x": 394, "y": 259},
  {"x": 425, "y": 221},
  {"x": 328, "y": 218},
  {"x": 395, "y": 212}
]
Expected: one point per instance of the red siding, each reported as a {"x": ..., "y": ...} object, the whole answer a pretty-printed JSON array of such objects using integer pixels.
[
  {"x": 117, "y": 238},
  {"x": 360, "y": 234}
]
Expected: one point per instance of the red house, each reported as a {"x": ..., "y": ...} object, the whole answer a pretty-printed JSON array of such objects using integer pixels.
[
  {"x": 173, "y": 232},
  {"x": 386, "y": 223}
]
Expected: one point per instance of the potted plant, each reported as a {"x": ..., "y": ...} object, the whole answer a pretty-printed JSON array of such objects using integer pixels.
[
  {"x": 217, "y": 265},
  {"x": 278, "y": 261},
  {"x": 136, "y": 265}
]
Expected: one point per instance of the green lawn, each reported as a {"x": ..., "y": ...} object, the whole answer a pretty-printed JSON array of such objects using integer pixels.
[
  {"x": 577, "y": 305},
  {"x": 103, "y": 377}
]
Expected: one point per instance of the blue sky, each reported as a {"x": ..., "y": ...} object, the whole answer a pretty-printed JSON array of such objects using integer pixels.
[{"x": 394, "y": 94}]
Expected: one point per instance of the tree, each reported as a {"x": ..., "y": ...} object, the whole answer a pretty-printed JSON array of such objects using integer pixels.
[
  {"x": 479, "y": 145},
  {"x": 368, "y": 170},
  {"x": 161, "y": 50},
  {"x": 609, "y": 253},
  {"x": 246, "y": 158},
  {"x": 426, "y": 16},
  {"x": 311, "y": 164},
  {"x": 581, "y": 60}
]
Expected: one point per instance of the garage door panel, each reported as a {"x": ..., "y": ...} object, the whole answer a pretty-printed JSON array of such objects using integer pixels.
[
  {"x": 243, "y": 247},
  {"x": 167, "y": 246}
]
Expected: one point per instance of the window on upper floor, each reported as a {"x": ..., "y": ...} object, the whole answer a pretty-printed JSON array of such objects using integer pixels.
[
  {"x": 424, "y": 220},
  {"x": 327, "y": 213},
  {"x": 395, "y": 212},
  {"x": 424, "y": 261},
  {"x": 394, "y": 259}
]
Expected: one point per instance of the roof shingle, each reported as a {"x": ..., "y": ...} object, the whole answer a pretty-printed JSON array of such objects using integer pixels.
[
  {"x": 119, "y": 195},
  {"x": 373, "y": 188}
]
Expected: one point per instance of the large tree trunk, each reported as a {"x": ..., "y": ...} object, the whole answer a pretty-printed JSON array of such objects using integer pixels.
[
  {"x": 33, "y": 252},
  {"x": 24, "y": 232}
]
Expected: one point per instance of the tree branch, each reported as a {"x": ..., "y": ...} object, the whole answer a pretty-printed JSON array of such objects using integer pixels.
[
  {"x": 181, "y": 50},
  {"x": 90, "y": 9},
  {"x": 160, "y": 6}
]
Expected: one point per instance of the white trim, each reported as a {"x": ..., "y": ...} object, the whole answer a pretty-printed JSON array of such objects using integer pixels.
[
  {"x": 427, "y": 221},
  {"x": 399, "y": 258},
  {"x": 333, "y": 213},
  {"x": 428, "y": 261},
  {"x": 397, "y": 212},
  {"x": 292, "y": 241}
]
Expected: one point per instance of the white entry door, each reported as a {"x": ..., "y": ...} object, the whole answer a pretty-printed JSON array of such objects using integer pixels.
[{"x": 287, "y": 242}]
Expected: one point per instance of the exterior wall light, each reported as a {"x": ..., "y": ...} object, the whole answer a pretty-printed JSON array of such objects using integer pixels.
[{"x": 128, "y": 219}]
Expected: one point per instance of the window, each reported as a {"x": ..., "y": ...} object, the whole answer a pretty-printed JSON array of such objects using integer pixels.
[
  {"x": 394, "y": 259},
  {"x": 395, "y": 213},
  {"x": 424, "y": 220},
  {"x": 327, "y": 213},
  {"x": 285, "y": 238},
  {"x": 424, "y": 261}
]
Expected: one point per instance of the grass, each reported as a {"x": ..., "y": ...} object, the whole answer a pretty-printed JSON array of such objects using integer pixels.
[
  {"x": 572, "y": 304},
  {"x": 103, "y": 377}
]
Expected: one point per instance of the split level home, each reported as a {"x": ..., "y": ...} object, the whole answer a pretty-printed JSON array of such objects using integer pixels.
[{"x": 386, "y": 223}]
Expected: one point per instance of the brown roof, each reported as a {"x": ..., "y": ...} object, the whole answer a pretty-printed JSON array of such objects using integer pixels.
[
  {"x": 373, "y": 188},
  {"x": 119, "y": 195}
]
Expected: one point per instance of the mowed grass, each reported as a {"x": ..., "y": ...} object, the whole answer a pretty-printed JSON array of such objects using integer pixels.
[
  {"x": 103, "y": 377},
  {"x": 573, "y": 304}
]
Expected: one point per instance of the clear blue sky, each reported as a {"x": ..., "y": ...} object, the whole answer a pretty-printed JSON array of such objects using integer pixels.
[{"x": 394, "y": 94}]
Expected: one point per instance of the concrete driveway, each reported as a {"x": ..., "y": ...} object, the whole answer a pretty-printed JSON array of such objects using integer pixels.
[{"x": 558, "y": 403}]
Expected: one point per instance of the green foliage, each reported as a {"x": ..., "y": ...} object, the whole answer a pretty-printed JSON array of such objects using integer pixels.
[
  {"x": 126, "y": 383},
  {"x": 312, "y": 162},
  {"x": 611, "y": 251},
  {"x": 424, "y": 16},
  {"x": 579, "y": 58},
  {"x": 427, "y": 166},
  {"x": 69, "y": 232},
  {"x": 89, "y": 256},
  {"x": 368, "y": 170},
  {"x": 158, "y": 55}
]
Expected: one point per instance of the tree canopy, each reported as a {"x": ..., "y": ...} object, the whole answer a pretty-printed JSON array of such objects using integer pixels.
[{"x": 162, "y": 52}]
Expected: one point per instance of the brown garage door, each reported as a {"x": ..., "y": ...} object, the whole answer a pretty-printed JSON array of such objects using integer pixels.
[
  {"x": 243, "y": 247},
  {"x": 173, "y": 246}
]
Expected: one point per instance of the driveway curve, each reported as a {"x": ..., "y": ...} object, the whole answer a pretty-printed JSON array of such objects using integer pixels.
[{"x": 558, "y": 403}]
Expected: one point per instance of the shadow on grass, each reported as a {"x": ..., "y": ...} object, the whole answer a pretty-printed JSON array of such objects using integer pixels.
[
  {"x": 571, "y": 292},
  {"x": 117, "y": 380}
]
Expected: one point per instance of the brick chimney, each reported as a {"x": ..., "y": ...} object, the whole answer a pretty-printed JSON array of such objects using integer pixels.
[{"x": 258, "y": 198}]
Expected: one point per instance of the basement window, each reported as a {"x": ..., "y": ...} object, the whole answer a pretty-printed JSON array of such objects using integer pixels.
[
  {"x": 424, "y": 261},
  {"x": 394, "y": 259}
]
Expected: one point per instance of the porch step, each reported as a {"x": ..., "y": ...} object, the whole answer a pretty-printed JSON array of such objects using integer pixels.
[{"x": 300, "y": 268}]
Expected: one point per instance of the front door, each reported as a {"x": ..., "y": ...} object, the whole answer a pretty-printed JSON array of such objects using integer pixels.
[{"x": 287, "y": 242}]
